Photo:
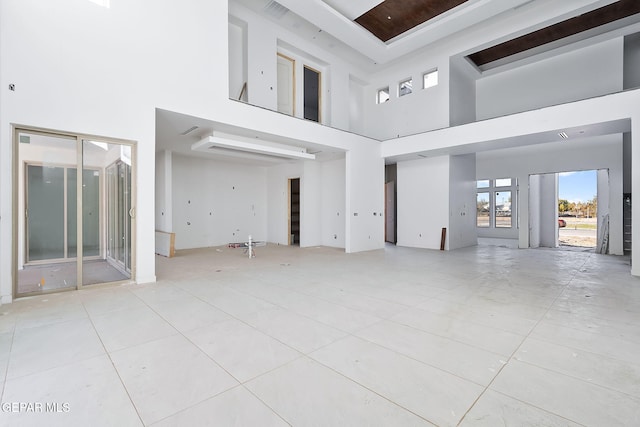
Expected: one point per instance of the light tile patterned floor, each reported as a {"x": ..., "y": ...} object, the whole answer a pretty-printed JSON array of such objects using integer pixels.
[{"x": 484, "y": 336}]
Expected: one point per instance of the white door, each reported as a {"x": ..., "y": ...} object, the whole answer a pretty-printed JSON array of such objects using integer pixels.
[{"x": 286, "y": 85}]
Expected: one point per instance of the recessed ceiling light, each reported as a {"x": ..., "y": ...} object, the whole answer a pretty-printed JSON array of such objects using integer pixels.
[{"x": 388, "y": 17}]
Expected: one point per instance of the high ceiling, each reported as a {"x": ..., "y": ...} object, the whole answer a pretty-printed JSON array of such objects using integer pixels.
[
  {"x": 332, "y": 23},
  {"x": 377, "y": 32}
]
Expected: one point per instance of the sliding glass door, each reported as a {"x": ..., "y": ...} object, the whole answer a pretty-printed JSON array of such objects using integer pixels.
[{"x": 64, "y": 215}]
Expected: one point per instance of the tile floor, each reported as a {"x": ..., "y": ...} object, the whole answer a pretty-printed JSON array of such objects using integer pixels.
[{"x": 485, "y": 336}]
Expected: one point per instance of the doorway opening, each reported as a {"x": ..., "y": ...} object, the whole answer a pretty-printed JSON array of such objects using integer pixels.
[
  {"x": 570, "y": 210},
  {"x": 390, "y": 203},
  {"x": 311, "y": 102},
  {"x": 578, "y": 209},
  {"x": 294, "y": 211},
  {"x": 72, "y": 229}
]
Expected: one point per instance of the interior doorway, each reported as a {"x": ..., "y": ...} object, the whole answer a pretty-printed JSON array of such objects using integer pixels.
[
  {"x": 64, "y": 235},
  {"x": 294, "y": 211},
  {"x": 311, "y": 96},
  {"x": 390, "y": 202}
]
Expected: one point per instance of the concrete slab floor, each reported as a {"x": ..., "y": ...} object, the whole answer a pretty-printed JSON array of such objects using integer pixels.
[{"x": 482, "y": 336}]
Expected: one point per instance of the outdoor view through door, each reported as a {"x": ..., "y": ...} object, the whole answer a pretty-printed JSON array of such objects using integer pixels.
[
  {"x": 64, "y": 216},
  {"x": 578, "y": 209}
]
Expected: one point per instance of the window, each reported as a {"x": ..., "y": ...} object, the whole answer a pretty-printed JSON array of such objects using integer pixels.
[
  {"x": 430, "y": 79},
  {"x": 495, "y": 206},
  {"x": 503, "y": 209},
  {"x": 405, "y": 87},
  {"x": 483, "y": 207},
  {"x": 382, "y": 95}
]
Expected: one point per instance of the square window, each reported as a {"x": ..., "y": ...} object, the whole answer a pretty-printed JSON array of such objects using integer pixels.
[
  {"x": 405, "y": 87},
  {"x": 430, "y": 79},
  {"x": 503, "y": 182},
  {"x": 483, "y": 183},
  {"x": 382, "y": 96}
]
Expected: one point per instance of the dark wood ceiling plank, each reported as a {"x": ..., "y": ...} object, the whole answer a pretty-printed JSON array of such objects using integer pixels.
[
  {"x": 405, "y": 14},
  {"x": 595, "y": 18}
]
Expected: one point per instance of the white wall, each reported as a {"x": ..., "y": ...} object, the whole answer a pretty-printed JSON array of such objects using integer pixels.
[
  {"x": 365, "y": 200},
  {"x": 356, "y": 105},
  {"x": 583, "y": 73},
  {"x": 264, "y": 40},
  {"x": 333, "y": 203},
  {"x": 310, "y": 204},
  {"x": 632, "y": 61},
  {"x": 548, "y": 210},
  {"x": 422, "y": 110},
  {"x": 534, "y": 211},
  {"x": 164, "y": 193},
  {"x": 604, "y": 199},
  {"x": 462, "y": 230},
  {"x": 423, "y": 202},
  {"x": 602, "y": 152},
  {"x": 462, "y": 92},
  {"x": 79, "y": 67},
  {"x": 215, "y": 203}
]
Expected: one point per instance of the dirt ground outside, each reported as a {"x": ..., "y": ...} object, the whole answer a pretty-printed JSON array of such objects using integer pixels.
[{"x": 579, "y": 232}]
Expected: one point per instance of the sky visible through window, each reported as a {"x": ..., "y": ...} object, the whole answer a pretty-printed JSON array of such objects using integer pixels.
[{"x": 578, "y": 186}]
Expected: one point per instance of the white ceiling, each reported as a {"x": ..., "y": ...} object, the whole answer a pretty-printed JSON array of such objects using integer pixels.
[
  {"x": 354, "y": 8},
  {"x": 335, "y": 19}
]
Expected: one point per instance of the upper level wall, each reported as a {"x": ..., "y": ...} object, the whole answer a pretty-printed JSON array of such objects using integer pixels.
[
  {"x": 264, "y": 40},
  {"x": 583, "y": 73},
  {"x": 419, "y": 111},
  {"x": 632, "y": 61}
]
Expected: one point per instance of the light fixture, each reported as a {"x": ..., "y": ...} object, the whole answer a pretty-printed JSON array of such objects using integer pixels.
[
  {"x": 235, "y": 142},
  {"x": 563, "y": 135}
]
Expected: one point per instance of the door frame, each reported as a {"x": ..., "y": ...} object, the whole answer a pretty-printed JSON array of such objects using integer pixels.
[
  {"x": 293, "y": 81},
  {"x": 79, "y": 138}
]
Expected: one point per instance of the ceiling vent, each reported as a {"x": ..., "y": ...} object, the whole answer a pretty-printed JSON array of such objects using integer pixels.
[
  {"x": 275, "y": 9},
  {"x": 188, "y": 131}
]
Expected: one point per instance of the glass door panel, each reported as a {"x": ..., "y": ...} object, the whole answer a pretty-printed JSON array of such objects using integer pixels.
[
  {"x": 44, "y": 262},
  {"x": 107, "y": 203},
  {"x": 45, "y": 213}
]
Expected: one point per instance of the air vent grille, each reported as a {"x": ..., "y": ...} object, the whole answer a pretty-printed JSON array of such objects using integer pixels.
[{"x": 275, "y": 9}]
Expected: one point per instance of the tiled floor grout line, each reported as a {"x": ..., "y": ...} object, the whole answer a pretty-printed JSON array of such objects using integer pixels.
[
  {"x": 523, "y": 341},
  {"x": 6, "y": 369},
  {"x": 115, "y": 369}
]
